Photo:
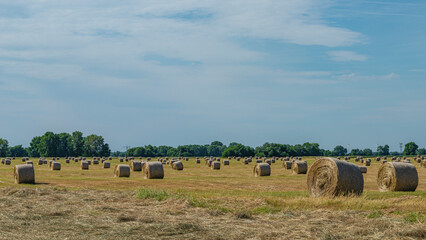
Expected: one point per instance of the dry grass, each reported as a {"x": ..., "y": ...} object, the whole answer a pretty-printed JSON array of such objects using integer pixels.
[{"x": 200, "y": 203}]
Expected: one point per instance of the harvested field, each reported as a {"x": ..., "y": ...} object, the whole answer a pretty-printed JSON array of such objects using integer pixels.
[{"x": 197, "y": 202}]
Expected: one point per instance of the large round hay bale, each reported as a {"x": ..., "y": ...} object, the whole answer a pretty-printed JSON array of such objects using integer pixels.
[
  {"x": 40, "y": 162},
  {"x": 299, "y": 167},
  {"x": 95, "y": 162},
  {"x": 287, "y": 164},
  {"x": 215, "y": 165},
  {"x": 363, "y": 169},
  {"x": 136, "y": 166},
  {"x": 177, "y": 165},
  {"x": 225, "y": 162},
  {"x": 122, "y": 170},
  {"x": 24, "y": 173},
  {"x": 84, "y": 165},
  {"x": 7, "y": 162},
  {"x": 262, "y": 169},
  {"x": 397, "y": 176},
  {"x": 245, "y": 161},
  {"x": 67, "y": 161},
  {"x": 106, "y": 164},
  {"x": 367, "y": 163},
  {"x": 197, "y": 161},
  {"x": 332, "y": 177},
  {"x": 56, "y": 166},
  {"x": 153, "y": 170}
]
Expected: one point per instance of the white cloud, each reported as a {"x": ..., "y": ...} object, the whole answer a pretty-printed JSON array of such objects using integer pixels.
[
  {"x": 355, "y": 77},
  {"x": 344, "y": 56}
]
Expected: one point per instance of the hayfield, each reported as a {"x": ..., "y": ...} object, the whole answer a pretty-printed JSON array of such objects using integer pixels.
[{"x": 200, "y": 203}]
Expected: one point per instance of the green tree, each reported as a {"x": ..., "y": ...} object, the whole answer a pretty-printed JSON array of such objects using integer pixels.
[
  {"x": 383, "y": 150},
  {"x": 4, "y": 146},
  {"x": 356, "y": 152},
  {"x": 77, "y": 143},
  {"x": 238, "y": 150},
  {"x": 48, "y": 146},
  {"x": 410, "y": 148},
  {"x": 421, "y": 151},
  {"x": 94, "y": 146},
  {"x": 339, "y": 151},
  {"x": 17, "y": 151},
  {"x": 64, "y": 144},
  {"x": 367, "y": 152},
  {"x": 33, "y": 149}
]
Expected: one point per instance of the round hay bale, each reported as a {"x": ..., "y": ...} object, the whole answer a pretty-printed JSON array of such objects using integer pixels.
[
  {"x": 40, "y": 162},
  {"x": 95, "y": 162},
  {"x": 423, "y": 164},
  {"x": 332, "y": 177},
  {"x": 367, "y": 163},
  {"x": 136, "y": 166},
  {"x": 397, "y": 176},
  {"x": 89, "y": 162},
  {"x": 67, "y": 161},
  {"x": 50, "y": 163},
  {"x": 299, "y": 167},
  {"x": 24, "y": 159},
  {"x": 7, "y": 162},
  {"x": 225, "y": 162},
  {"x": 177, "y": 165},
  {"x": 121, "y": 160},
  {"x": 287, "y": 164},
  {"x": 24, "y": 173},
  {"x": 198, "y": 161},
  {"x": 75, "y": 160},
  {"x": 30, "y": 162},
  {"x": 84, "y": 165},
  {"x": 106, "y": 164},
  {"x": 273, "y": 160},
  {"x": 383, "y": 161},
  {"x": 268, "y": 161},
  {"x": 56, "y": 166},
  {"x": 44, "y": 161},
  {"x": 245, "y": 161},
  {"x": 122, "y": 170},
  {"x": 262, "y": 169},
  {"x": 153, "y": 170},
  {"x": 215, "y": 165},
  {"x": 363, "y": 169},
  {"x": 209, "y": 163}
]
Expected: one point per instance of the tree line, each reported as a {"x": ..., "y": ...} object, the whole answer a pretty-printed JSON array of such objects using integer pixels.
[
  {"x": 58, "y": 145},
  {"x": 218, "y": 149},
  {"x": 65, "y": 144}
]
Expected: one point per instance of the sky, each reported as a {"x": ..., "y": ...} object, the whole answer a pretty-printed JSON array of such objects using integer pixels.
[{"x": 349, "y": 73}]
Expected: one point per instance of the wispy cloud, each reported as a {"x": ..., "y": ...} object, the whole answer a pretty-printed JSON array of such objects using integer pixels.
[
  {"x": 355, "y": 77},
  {"x": 344, "y": 56}
]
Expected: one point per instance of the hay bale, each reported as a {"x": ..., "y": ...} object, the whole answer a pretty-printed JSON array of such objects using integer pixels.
[
  {"x": 363, "y": 169},
  {"x": 67, "y": 161},
  {"x": 383, "y": 161},
  {"x": 106, "y": 164},
  {"x": 95, "y": 162},
  {"x": 50, "y": 163},
  {"x": 287, "y": 164},
  {"x": 153, "y": 170},
  {"x": 40, "y": 162},
  {"x": 197, "y": 161},
  {"x": 7, "y": 162},
  {"x": 136, "y": 166},
  {"x": 299, "y": 167},
  {"x": 121, "y": 160},
  {"x": 122, "y": 170},
  {"x": 84, "y": 165},
  {"x": 268, "y": 161},
  {"x": 332, "y": 177},
  {"x": 177, "y": 165},
  {"x": 56, "y": 166},
  {"x": 24, "y": 173},
  {"x": 397, "y": 176},
  {"x": 245, "y": 161},
  {"x": 209, "y": 163},
  {"x": 367, "y": 163},
  {"x": 423, "y": 164},
  {"x": 29, "y": 162},
  {"x": 44, "y": 161},
  {"x": 262, "y": 169},
  {"x": 225, "y": 162},
  {"x": 24, "y": 159},
  {"x": 215, "y": 165}
]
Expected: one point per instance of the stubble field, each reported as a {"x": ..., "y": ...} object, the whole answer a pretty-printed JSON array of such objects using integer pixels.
[{"x": 200, "y": 203}]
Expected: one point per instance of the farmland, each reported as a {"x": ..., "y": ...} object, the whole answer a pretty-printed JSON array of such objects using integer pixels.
[{"x": 198, "y": 202}]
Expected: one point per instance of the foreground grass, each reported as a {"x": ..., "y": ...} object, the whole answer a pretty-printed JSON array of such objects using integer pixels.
[{"x": 61, "y": 213}]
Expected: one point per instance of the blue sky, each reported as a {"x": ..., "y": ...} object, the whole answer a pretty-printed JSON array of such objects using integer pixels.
[{"x": 190, "y": 72}]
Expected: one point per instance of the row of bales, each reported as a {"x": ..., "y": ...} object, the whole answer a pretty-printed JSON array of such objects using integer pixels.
[{"x": 327, "y": 176}]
